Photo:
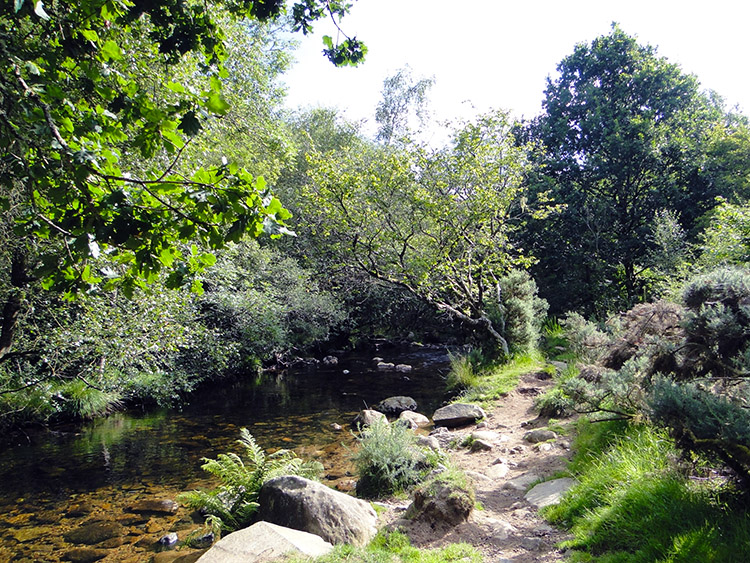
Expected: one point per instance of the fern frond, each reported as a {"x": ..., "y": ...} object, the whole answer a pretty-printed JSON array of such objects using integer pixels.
[
  {"x": 233, "y": 504},
  {"x": 253, "y": 451}
]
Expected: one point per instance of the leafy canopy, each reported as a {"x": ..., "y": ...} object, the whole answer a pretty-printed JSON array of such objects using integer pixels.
[
  {"x": 437, "y": 224},
  {"x": 94, "y": 123}
]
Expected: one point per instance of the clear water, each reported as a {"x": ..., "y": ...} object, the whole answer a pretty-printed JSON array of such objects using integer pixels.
[{"x": 65, "y": 479}]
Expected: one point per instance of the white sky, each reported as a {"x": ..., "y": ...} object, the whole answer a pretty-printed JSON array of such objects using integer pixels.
[{"x": 498, "y": 53}]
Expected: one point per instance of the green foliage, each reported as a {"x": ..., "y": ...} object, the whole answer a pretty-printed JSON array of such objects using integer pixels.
[
  {"x": 233, "y": 503},
  {"x": 85, "y": 94},
  {"x": 523, "y": 311},
  {"x": 389, "y": 461},
  {"x": 105, "y": 350},
  {"x": 633, "y": 505},
  {"x": 436, "y": 224},
  {"x": 401, "y": 96},
  {"x": 391, "y": 547},
  {"x": 683, "y": 367},
  {"x": 80, "y": 399},
  {"x": 586, "y": 339},
  {"x": 726, "y": 239},
  {"x": 717, "y": 325},
  {"x": 555, "y": 403},
  {"x": 625, "y": 136},
  {"x": 462, "y": 374}
]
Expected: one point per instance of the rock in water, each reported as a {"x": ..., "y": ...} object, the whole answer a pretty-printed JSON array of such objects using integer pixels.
[
  {"x": 301, "y": 504},
  {"x": 264, "y": 541},
  {"x": 419, "y": 419},
  {"x": 366, "y": 418},
  {"x": 457, "y": 414},
  {"x": 396, "y": 405},
  {"x": 84, "y": 555},
  {"x": 168, "y": 539}
]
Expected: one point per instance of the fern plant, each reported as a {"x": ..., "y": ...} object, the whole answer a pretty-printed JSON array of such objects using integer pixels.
[{"x": 233, "y": 503}]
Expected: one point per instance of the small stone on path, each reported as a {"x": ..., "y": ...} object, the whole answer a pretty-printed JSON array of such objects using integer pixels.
[{"x": 539, "y": 435}]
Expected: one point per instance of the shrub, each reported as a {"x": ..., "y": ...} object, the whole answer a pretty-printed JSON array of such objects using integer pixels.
[
  {"x": 389, "y": 461},
  {"x": 233, "y": 503},
  {"x": 523, "y": 311},
  {"x": 586, "y": 340}
]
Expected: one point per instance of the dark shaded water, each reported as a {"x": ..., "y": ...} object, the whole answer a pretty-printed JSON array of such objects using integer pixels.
[{"x": 66, "y": 479}]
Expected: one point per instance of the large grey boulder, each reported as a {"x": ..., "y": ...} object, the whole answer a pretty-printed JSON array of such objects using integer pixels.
[
  {"x": 457, "y": 414},
  {"x": 264, "y": 541},
  {"x": 396, "y": 405},
  {"x": 302, "y": 504}
]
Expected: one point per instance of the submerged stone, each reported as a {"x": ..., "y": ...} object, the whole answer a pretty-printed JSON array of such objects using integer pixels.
[
  {"x": 84, "y": 555},
  {"x": 154, "y": 506},
  {"x": 91, "y": 534}
]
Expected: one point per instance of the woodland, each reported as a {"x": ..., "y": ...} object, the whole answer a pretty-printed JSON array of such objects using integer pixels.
[{"x": 167, "y": 224}]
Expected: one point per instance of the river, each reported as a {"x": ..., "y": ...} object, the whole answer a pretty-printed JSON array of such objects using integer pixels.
[{"x": 93, "y": 475}]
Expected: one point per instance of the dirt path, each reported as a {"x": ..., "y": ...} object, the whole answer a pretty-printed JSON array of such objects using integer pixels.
[{"x": 508, "y": 528}]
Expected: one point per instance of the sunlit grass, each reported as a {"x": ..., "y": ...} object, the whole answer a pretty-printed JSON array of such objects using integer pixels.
[
  {"x": 633, "y": 504},
  {"x": 395, "y": 547},
  {"x": 496, "y": 381}
]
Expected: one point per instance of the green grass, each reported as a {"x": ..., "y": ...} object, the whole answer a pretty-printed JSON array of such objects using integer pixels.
[
  {"x": 633, "y": 505},
  {"x": 463, "y": 374},
  {"x": 395, "y": 547},
  {"x": 497, "y": 381}
]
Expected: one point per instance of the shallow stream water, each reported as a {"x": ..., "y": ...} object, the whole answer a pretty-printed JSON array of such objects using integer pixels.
[{"x": 92, "y": 477}]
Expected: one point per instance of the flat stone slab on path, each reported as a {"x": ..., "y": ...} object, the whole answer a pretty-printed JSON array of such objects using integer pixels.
[
  {"x": 521, "y": 482},
  {"x": 264, "y": 541},
  {"x": 549, "y": 492}
]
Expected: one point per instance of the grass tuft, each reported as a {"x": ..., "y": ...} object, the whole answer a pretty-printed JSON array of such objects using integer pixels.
[
  {"x": 633, "y": 505},
  {"x": 392, "y": 547}
]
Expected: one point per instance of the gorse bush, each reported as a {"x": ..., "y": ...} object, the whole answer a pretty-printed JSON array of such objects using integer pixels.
[
  {"x": 523, "y": 311},
  {"x": 233, "y": 503},
  {"x": 686, "y": 367},
  {"x": 389, "y": 461}
]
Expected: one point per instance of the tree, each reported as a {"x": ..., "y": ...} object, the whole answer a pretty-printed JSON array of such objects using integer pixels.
[
  {"x": 93, "y": 126},
  {"x": 400, "y": 96},
  {"x": 436, "y": 224},
  {"x": 624, "y": 134}
]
